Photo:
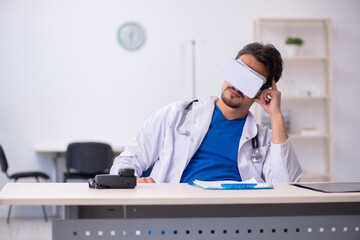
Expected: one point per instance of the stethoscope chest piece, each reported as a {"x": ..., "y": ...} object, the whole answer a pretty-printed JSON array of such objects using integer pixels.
[{"x": 255, "y": 155}]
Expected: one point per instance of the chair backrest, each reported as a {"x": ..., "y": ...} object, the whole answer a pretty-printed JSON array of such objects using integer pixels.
[
  {"x": 89, "y": 157},
  {"x": 3, "y": 162}
]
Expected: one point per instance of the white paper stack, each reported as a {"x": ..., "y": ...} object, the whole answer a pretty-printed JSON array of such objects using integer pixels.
[{"x": 227, "y": 184}]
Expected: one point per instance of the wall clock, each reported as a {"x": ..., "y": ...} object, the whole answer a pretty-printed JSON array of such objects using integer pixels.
[{"x": 131, "y": 36}]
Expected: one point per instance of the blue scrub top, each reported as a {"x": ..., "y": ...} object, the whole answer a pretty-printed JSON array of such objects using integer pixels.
[{"x": 216, "y": 158}]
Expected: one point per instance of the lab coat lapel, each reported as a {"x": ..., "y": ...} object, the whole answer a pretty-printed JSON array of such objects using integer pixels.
[
  {"x": 250, "y": 129},
  {"x": 247, "y": 168},
  {"x": 201, "y": 116}
]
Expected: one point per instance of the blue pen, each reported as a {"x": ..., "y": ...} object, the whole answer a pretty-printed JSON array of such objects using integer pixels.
[{"x": 239, "y": 186}]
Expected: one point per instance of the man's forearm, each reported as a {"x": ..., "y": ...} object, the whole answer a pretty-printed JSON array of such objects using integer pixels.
[{"x": 279, "y": 134}]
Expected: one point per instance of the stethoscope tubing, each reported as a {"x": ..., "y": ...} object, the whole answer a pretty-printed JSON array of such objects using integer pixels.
[
  {"x": 183, "y": 117},
  {"x": 255, "y": 155}
]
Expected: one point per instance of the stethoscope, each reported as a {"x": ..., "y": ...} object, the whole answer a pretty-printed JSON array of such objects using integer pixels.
[
  {"x": 186, "y": 110},
  {"x": 255, "y": 155}
]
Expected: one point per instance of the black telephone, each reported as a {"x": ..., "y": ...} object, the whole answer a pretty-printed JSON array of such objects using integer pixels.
[{"x": 125, "y": 179}]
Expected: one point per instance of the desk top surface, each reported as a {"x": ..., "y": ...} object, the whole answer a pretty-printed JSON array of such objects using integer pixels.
[{"x": 160, "y": 194}]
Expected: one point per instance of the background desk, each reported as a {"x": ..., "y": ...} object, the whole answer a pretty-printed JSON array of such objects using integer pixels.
[
  {"x": 59, "y": 152},
  {"x": 180, "y": 211}
]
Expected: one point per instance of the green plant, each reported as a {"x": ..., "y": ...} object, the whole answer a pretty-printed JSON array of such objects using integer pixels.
[{"x": 296, "y": 41}]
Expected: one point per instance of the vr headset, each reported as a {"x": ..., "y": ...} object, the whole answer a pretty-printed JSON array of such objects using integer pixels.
[{"x": 242, "y": 77}]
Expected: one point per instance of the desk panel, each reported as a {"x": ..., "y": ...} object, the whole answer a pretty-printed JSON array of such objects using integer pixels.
[
  {"x": 260, "y": 228},
  {"x": 211, "y": 211}
]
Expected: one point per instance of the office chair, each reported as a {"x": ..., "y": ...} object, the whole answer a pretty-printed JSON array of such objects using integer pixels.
[
  {"x": 16, "y": 176},
  {"x": 86, "y": 159}
]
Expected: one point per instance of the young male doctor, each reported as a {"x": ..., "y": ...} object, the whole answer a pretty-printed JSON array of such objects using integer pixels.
[{"x": 212, "y": 138}]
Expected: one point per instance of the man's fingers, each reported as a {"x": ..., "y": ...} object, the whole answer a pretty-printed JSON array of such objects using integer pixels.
[
  {"x": 265, "y": 96},
  {"x": 144, "y": 180},
  {"x": 273, "y": 84},
  {"x": 149, "y": 180}
]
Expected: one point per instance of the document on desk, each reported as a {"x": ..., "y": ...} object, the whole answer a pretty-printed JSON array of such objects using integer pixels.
[{"x": 232, "y": 185}]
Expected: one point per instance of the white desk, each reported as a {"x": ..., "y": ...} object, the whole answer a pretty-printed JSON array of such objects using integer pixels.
[
  {"x": 180, "y": 211},
  {"x": 57, "y": 152}
]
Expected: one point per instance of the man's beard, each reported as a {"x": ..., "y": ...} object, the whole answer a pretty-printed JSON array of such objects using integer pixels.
[{"x": 228, "y": 101}]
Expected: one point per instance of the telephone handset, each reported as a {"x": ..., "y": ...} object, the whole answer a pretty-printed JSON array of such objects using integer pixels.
[{"x": 124, "y": 179}]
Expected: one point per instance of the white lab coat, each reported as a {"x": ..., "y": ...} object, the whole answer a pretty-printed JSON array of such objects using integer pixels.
[{"x": 158, "y": 142}]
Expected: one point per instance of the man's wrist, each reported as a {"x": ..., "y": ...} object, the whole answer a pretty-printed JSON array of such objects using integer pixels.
[{"x": 276, "y": 116}]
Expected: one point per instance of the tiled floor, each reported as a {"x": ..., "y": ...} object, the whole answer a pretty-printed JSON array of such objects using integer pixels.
[{"x": 25, "y": 229}]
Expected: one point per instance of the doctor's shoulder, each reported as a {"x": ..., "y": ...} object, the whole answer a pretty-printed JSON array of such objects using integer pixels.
[
  {"x": 173, "y": 109},
  {"x": 167, "y": 112}
]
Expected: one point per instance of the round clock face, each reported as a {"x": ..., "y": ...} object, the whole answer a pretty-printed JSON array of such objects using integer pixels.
[{"x": 131, "y": 36}]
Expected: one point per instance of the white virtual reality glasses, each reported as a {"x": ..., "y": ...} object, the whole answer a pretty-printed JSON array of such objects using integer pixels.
[{"x": 242, "y": 77}]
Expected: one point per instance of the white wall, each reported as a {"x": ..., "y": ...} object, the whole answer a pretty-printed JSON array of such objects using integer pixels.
[{"x": 64, "y": 77}]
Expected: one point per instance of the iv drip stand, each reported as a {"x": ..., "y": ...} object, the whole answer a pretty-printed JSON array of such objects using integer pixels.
[{"x": 193, "y": 68}]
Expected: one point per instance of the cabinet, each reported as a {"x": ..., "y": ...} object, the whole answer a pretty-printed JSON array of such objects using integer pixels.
[{"x": 306, "y": 87}]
